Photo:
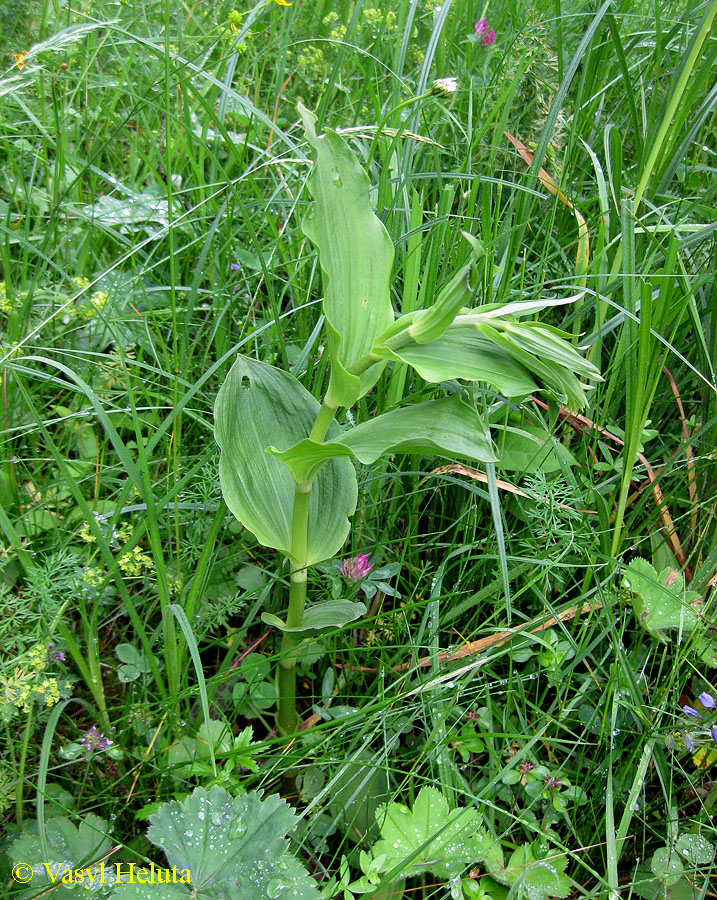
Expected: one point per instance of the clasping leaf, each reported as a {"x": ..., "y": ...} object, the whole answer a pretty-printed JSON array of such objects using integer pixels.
[
  {"x": 258, "y": 406},
  {"x": 356, "y": 256}
]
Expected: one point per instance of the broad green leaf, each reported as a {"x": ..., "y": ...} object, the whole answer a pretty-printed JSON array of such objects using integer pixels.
[
  {"x": 548, "y": 359},
  {"x": 537, "y": 879},
  {"x": 445, "y": 427},
  {"x": 356, "y": 256},
  {"x": 696, "y": 849},
  {"x": 150, "y": 889},
  {"x": 259, "y": 406},
  {"x": 429, "y": 324},
  {"x": 529, "y": 449},
  {"x": 322, "y": 617},
  {"x": 233, "y": 847},
  {"x": 547, "y": 342},
  {"x": 430, "y": 837},
  {"x": 661, "y": 602},
  {"x": 70, "y": 848},
  {"x": 463, "y": 353},
  {"x": 667, "y": 865}
]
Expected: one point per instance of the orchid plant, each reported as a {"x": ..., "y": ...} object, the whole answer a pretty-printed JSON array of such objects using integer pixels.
[{"x": 287, "y": 469}]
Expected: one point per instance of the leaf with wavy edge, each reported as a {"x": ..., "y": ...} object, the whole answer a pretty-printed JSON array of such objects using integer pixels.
[
  {"x": 546, "y": 356},
  {"x": 356, "y": 256}
]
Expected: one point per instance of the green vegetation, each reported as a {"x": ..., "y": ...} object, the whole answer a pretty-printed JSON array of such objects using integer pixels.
[{"x": 503, "y": 683}]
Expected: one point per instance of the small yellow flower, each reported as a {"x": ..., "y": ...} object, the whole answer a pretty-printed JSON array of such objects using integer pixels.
[
  {"x": 704, "y": 758},
  {"x": 49, "y": 691},
  {"x": 99, "y": 299},
  {"x": 281, "y": 2},
  {"x": 92, "y": 576},
  {"x": 20, "y": 59},
  {"x": 136, "y": 562},
  {"x": 86, "y": 535}
]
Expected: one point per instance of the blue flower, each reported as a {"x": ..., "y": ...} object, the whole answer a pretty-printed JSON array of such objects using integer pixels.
[
  {"x": 689, "y": 743},
  {"x": 689, "y": 711},
  {"x": 235, "y": 267},
  {"x": 707, "y": 700}
]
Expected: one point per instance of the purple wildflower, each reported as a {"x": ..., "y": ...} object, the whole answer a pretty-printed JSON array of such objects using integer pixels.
[
  {"x": 526, "y": 766},
  {"x": 356, "y": 567},
  {"x": 94, "y": 740},
  {"x": 689, "y": 743},
  {"x": 485, "y": 32},
  {"x": 54, "y": 655},
  {"x": 713, "y": 732},
  {"x": 707, "y": 700},
  {"x": 234, "y": 267},
  {"x": 689, "y": 711}
]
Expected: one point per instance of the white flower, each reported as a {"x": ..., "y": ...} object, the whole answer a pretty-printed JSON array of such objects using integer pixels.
[{"x": 445, "y": 86}]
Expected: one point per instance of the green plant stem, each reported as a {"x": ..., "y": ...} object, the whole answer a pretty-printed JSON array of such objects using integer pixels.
[
  {"x": 287, "y": 718},
  {"x": 323, "y": 420},
  {"x": 403, "y": 337},
  {"x": 23, "y": 760}
]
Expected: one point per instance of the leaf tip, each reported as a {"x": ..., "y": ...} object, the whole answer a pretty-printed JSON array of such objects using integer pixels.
[{"x": 309, "y": 122}]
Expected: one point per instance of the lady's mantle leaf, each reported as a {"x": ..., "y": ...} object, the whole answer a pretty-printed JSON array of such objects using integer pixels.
[
  {"x": 537, "y": 879},
  {"x": 69, "y": 847},
  {"x": 661, "y": 602},
  {"x": 234, "y": 847},
  {"x": 431, "y": 838}
]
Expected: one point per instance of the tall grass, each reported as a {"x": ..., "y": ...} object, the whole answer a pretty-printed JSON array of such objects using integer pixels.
[{"x": 154, "y": 150}]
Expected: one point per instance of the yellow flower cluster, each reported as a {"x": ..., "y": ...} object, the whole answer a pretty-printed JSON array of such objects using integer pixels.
[
  {"x": 98, "y": 301},
  {"x": 86, "y": 535},
  {"x": 311, "y": 62},
  {"x": 29, "y": 684},
  {"x": 6, "y": 304},
  {"x": 92, "y": 576},
  {"x": 136, "y": 562},
  {"x": 37, "y": 657},
  {"x": 374, "y": 18}
]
